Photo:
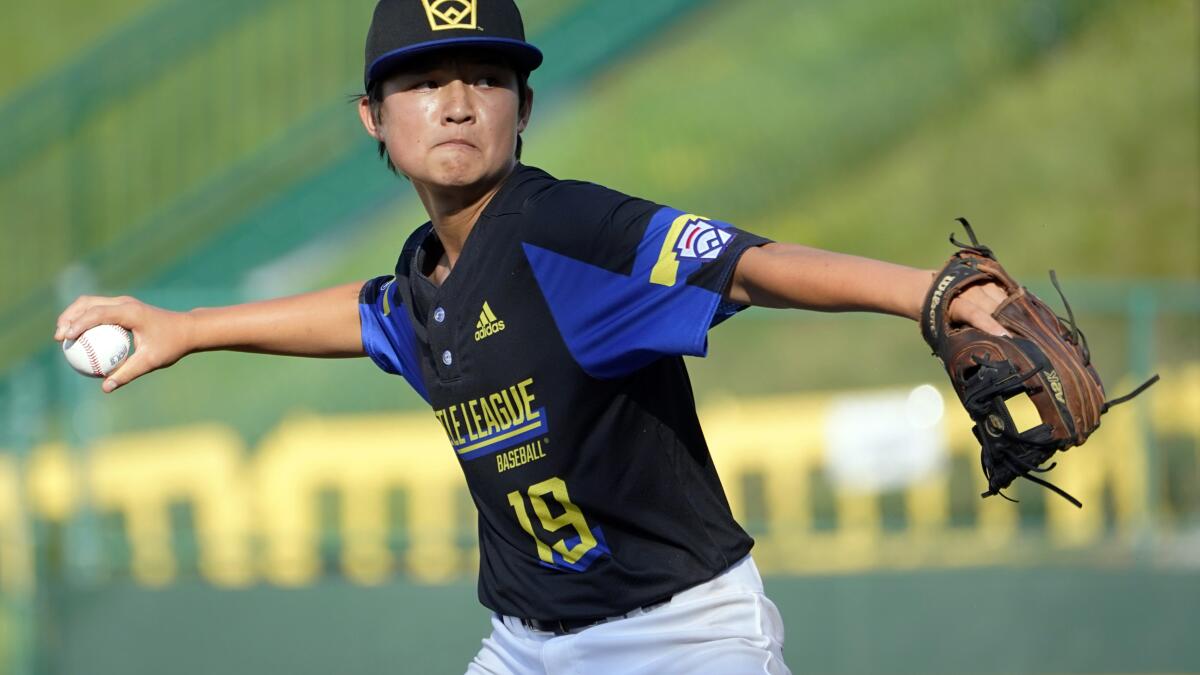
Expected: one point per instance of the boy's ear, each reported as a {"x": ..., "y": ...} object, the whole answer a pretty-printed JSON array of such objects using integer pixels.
[
  {"x": 368, "y": 118},
  {"x": 526, "y": 108}
]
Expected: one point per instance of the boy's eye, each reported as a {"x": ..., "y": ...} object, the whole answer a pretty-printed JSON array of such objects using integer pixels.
[{"x": 426, "y": 84}]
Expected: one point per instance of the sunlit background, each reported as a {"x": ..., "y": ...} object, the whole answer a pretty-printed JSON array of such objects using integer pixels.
[{"x": 249, "y": 514}]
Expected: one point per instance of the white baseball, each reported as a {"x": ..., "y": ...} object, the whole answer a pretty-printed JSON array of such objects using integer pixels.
[{"x": 99, "y": 350}]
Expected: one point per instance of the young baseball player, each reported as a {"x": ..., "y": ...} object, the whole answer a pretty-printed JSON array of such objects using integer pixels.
[{"x": 545, "y": 321}]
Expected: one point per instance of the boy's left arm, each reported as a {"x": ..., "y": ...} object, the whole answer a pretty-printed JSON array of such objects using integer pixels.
[{"x": 791, "y": 275}]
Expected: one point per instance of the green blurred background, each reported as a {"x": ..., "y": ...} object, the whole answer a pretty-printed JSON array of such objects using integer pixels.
[{"x": 207, "y": 153}]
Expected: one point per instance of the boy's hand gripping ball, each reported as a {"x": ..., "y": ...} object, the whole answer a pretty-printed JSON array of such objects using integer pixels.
[{"x": 100, "y": 350}]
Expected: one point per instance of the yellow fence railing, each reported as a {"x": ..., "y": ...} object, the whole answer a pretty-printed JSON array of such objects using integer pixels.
[{"x": 257, "y": 516}]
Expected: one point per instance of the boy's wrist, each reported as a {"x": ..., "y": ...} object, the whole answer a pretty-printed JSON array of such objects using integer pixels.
[
  {"x": 922, "y": 281},
  {"x": 191, "y": 332}
]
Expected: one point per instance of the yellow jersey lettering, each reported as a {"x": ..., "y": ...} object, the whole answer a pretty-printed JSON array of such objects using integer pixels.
[
  {"x": 441, "y": 418},
  {"x": 489, "y": 418},
  {"x": 457, "y": 438},
  {"x": 510, "y": 399},
  {"x": 519, "y": 456},
  {"x": 472, "y": 406},
  {"x": 527, "y": 399},
  {"x": 494, "y": 422},
  {"x": 500, "y": 411}
]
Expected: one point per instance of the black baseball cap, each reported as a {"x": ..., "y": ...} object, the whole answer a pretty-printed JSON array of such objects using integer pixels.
[{"x": 401, "y": 29}]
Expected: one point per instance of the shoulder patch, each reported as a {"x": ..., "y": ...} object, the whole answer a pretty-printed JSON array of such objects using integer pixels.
[{"x": 701, "y": 240}]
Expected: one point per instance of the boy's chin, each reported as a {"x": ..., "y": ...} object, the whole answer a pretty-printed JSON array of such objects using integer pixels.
[{"x": 461, "y": 174}]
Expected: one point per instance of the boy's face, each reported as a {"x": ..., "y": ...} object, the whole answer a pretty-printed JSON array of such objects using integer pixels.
[{"x": 450, "y": 120}]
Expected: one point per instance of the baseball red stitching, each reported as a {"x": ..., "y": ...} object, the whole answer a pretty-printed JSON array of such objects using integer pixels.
[{"x": 87, "y": 349}]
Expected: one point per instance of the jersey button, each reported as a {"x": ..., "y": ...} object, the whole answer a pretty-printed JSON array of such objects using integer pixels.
[
  {"x": 447, "y": 358},
  {"x": 439, "y": 315}
]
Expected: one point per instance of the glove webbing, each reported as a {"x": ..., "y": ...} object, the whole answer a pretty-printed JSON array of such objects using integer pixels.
[
  {"x": 990, "y": 400},
  {"x": 1014, "y": 463}
]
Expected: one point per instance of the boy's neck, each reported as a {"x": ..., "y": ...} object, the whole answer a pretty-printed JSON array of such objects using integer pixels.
[{"x": 454, "y": 212}]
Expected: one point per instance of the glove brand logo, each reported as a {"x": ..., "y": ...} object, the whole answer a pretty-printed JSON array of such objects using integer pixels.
[
  {"x": 1056, "y": 386},
  {"x": 936, "y": 301},
  {"x": 488, "y": 325},
  {"x": 701, "y": 240},
  {"x": 450, "y": 14}
]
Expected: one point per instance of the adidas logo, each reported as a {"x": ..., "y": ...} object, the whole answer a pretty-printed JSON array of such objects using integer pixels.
[{"x": 488, "y": 324}]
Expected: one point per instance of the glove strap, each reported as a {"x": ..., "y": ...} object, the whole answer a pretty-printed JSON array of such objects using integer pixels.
[
  {"x": 963, "y": 268},
  {"x": 1121, "y": 399},
  {"x": 956, "y": 274},
  {"x": 974, "y": 246}
]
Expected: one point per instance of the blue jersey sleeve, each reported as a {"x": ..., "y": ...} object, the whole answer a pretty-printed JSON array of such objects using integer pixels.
[
  {"x": 387, "y": 333},
  {"x": 629, "y": 281}
]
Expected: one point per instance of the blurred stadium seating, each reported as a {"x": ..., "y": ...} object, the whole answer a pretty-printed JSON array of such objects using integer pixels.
[{"x": 247, "y": 514}]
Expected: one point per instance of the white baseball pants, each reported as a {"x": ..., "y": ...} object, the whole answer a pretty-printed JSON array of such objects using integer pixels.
[{"x": 725, "y": 626}]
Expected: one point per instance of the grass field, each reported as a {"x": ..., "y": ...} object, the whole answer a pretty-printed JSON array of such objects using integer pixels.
[
  {"x": 39, "y": 36},
  {"x": 1077, "y": 149},
  {"x": 1092, "y": 156},
  {"x": 36, "y": 38},
  {"x": 856, "y": 135},
  {"x": 1093, "y": 141},
  {"x": 130, "y": 140},
  {"x": 868, "y": 134},
  {"x": 1068, "y": 135}
]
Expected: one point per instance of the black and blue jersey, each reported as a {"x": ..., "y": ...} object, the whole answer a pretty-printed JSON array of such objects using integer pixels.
[{"x": 551, "y": 356}]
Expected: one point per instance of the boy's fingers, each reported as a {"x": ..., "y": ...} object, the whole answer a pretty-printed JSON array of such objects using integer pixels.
[
  {"x": 69, "y": 315},
  {"x": 77, "y": 309},
  {"x": 982, "y": 319},
  {"x": 994, "y": 292},
  {"x": 985, "y": 295},
  {"x": 133, "y": 368},
  {"x": 995, "y": 328},
  {"x": 95, "y": 316}
]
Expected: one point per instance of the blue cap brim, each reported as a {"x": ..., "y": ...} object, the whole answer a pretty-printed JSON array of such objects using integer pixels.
[{"x": 526, "y": 56}]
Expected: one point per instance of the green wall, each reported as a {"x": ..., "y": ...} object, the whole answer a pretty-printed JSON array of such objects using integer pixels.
[{"x": 1046, "y": 620}]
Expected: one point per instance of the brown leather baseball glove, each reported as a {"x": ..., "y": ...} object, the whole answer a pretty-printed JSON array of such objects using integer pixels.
[{"x": 1046, "y": 358}]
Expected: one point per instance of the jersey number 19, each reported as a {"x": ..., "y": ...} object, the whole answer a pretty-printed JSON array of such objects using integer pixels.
[{"x": 571, "y": 515}]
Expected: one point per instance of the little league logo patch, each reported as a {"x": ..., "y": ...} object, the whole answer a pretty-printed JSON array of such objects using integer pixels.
[
  {"x": 448, "y": 14},
  {"x": 701, "y": 240}
]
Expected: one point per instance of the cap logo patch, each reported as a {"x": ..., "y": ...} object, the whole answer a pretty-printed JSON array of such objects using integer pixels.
[
  {"x": 449, "y": 14},
  {"x": 701, "y": 240}
]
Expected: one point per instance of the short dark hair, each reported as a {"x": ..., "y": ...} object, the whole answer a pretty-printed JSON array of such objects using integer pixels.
[{"x": 374, "y": 98}]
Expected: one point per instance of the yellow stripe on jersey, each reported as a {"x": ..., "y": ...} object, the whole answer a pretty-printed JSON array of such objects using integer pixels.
[
  {"x": 387, "y": 307},
  {"x": 667, "y": 267},
  {"x": 492, "y": 440}
]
